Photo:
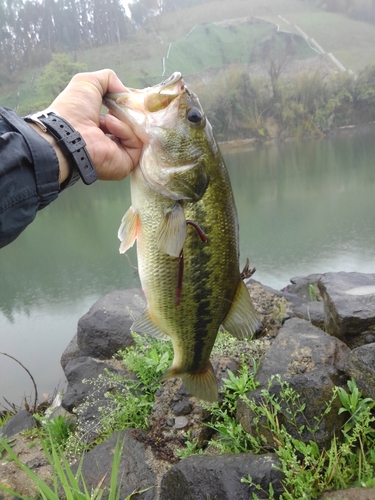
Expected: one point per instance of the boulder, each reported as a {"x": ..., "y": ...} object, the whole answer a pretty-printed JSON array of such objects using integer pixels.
[
  {"x": 301, "y": 348},
  {"x": 361, "y": 366},
  {"x": 311, "y": 311},
  {"x": 305, "y": 287},
  {"x": 349, "y": 303},
  {"x": 77, "y": 372},
  {"x": 105, "y": 329},
  {"x": 134, "y": 473},
  {"x": 72, "y": 351},
  {"x": 312, "y": 362},
  {"x": 21, "y": 421},
  {"x": 219, "y": 477}
]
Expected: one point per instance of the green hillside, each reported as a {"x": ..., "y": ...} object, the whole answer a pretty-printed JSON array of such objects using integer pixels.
[
  {"x": 215, "y": 45},
  {"x": 194, "y": 39}
]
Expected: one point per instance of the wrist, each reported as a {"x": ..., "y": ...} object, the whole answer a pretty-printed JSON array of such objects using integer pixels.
[
  {"x": 71, "y": 144},
  {"x": 63, "y": 161}
]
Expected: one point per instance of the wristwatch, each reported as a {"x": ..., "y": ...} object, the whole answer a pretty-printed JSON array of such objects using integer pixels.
[{"x": 71, "y": 144}]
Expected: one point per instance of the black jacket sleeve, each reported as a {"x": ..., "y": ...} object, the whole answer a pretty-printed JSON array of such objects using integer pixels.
[{"x": 29, "y": 175}]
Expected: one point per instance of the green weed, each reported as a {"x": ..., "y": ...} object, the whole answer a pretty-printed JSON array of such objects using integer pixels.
[
  {"x": 63, "y": 478},
  {"x": 309, "y": 471},
  {"x": 56, "y": 430},
  {"x": 129, "y": 401},
  {"x": 231, "y": 436}
]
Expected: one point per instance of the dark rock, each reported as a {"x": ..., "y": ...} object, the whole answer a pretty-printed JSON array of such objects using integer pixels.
[
  {"x": 361, "y": 366},
  {"x": 78, "y": 370},
  {"x": 312, "y": 362},
  {"x": 21, "y": 421},
  {"x": 349, "y": 302},
  {"x": 311, "y": 311},
  {"x": 219, "y": 477},
  {"x": 183, "y": 407},
  {"x": 133, "y": 474},
  {"x": 305, "y": 287},
  {"x": 71, "y": 352},
  {"x": 105, "y": 329},
  {"x": 300, "y": 344}
]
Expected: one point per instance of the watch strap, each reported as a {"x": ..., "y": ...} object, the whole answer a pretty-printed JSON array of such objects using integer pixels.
[{"x": 71, "y": 144}]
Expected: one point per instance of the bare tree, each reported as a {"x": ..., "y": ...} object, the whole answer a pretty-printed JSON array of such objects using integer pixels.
[{"x": 276, "y": 53}]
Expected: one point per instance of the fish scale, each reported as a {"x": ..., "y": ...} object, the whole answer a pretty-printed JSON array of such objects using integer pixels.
[{"x": 181, "y": 194}]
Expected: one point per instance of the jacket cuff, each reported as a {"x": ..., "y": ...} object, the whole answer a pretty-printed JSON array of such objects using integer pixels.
[{"x": 45, "y": 162}]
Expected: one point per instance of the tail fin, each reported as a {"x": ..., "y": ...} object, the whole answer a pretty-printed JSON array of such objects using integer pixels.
[{"x": 202, "y": 384}]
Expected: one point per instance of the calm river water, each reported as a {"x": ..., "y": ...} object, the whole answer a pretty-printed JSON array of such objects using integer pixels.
[{"x": 304, "y": 207}]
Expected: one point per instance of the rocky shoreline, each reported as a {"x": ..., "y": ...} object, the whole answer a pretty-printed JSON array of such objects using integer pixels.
[{"x": 318, "y": 332}]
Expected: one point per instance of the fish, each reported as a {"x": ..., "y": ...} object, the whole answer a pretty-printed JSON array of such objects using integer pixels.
[{"x": 184, "y": 219}]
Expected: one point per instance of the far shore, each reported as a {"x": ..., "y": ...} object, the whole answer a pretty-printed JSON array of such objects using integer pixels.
[{"x": 254, "y": 141}]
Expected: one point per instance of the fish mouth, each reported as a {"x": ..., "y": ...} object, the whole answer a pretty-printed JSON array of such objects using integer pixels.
[
  {"x": 137, "y": 107},
  {"x": 151, "y": 99}
]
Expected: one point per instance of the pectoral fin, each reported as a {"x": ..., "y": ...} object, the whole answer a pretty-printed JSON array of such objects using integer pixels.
[
  {"x": 172, "y": 231},
  {"x": 144, "y": 324},
  {"x": 128, "y": 229},
  {"x": 241, "y": 320}
]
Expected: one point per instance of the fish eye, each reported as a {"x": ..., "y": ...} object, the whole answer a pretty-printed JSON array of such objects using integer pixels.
[{"x": 195, "y": 116}]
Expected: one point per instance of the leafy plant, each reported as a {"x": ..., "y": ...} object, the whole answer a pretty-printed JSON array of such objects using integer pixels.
[
  {"x": 353, "y": 403},
  {"x": 56, "y": 430},
  {"x": 231, "y": 435},
  {"x": 191, "y": 447}
]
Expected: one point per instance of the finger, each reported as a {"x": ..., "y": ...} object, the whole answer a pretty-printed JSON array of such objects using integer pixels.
[
  {"x": 120, "y": 160},
  {"x": 104, "y": 80},
  {"x": 111, "y": 125}
]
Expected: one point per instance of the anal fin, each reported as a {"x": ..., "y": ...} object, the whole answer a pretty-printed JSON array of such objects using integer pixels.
[{"x": 241, "y": 320}]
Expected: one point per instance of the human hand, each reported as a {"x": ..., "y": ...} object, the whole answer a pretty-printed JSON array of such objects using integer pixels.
[{"x": 80, "y": 104}]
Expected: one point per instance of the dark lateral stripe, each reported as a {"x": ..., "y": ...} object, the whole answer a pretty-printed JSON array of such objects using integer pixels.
[{"x": 202, "y": 297}]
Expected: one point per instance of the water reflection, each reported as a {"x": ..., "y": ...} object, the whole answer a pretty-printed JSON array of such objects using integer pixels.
[
  {"x": 303, "y": 207},
  {"x": 306, "y": 207}
]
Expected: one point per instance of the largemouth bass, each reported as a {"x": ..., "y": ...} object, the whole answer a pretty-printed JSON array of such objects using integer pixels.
[{"x": 184, "y": 219}]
